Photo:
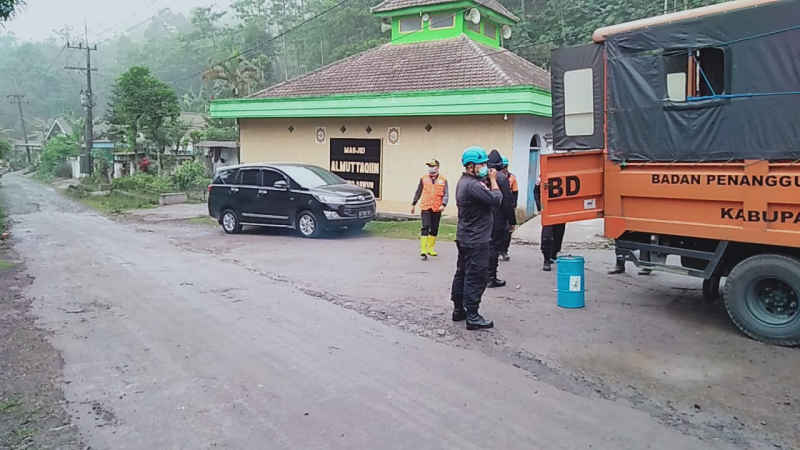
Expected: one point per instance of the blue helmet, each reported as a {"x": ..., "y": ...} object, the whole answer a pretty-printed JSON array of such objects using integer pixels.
[
  {"x": 505, "y": 161},
  {"x": 474, "y": 155}
]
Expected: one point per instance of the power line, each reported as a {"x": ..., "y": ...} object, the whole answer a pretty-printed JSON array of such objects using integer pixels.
[
  {"x": 134, "y": 26},
  {"x": 267, "y": 41}
]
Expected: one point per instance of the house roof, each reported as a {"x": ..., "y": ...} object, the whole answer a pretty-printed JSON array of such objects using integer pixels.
[
  {"x": 458, "y": 63},
  {"x": 393, "y": 5},
  {"x": 196, "y": 121},
  {"x": 61, "y": 126},
  {"x": 218, "y": 144}
]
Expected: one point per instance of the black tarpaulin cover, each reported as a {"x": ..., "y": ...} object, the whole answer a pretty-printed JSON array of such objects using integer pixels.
[{"x": 755, "y": 116}]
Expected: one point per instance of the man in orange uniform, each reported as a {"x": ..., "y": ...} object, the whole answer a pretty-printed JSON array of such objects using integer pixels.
[
  {"x": 432, "y": 195},
  {"x": 512, "y": 180}
]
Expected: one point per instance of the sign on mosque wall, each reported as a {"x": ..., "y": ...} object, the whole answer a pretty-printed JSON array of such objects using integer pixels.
[{"x": 358, "y": 161}]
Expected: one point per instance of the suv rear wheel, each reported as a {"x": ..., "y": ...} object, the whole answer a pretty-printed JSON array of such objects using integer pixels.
[
  {"x": 230, "y": 222},
  {"x": 308, "y": 225}
]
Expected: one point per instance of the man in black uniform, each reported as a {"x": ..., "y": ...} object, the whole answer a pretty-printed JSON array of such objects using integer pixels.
[
  {"x": 504, "y": 218},
  {"x": 475, "y": 202},
  {"x": 552, "y": 239}
]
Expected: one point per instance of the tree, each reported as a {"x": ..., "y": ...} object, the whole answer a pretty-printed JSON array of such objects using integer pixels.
[
  {"x": 55, "y": 153},
  {"x": 7, "y": 8},
  {"x": 5, "y": 148},
  {"x": 221, "y": 130},
  {"x": 549, "y": 24},
  {"x": 141, "y": 103},
  {"x": 170, "y": 134},
  {"x": 241, "y": 76}
]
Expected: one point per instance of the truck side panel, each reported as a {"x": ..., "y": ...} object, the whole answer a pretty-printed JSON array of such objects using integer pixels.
[{"x": 752, "y": 201}]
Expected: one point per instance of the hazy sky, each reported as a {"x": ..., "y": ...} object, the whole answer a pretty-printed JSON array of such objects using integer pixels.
[{"x": 38, "y": 18}]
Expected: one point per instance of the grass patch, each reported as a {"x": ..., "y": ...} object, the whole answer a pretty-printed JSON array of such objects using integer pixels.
[
  {"x": 116, "y": 203},
  {"x": 203, "y": 221},
  {"x": 408, "y": 230},
  {"x": 5, "y": 265},
  {"x": 9, "y": 404}
]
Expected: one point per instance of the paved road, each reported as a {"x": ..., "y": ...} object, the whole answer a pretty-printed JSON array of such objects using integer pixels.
[{"x": 170, "y": 348}]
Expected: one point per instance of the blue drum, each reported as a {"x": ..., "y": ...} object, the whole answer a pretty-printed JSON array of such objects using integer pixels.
[{"x": 571, "y": 282}]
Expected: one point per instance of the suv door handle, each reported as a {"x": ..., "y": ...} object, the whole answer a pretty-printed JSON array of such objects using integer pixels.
[{"x": 234, "y": 189}]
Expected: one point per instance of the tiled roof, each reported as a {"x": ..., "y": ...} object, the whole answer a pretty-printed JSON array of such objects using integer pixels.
[
  {"x": 458, "y": 63},
  {"x": 222, "y": 144},
  {"x": 196, "y": 121},
  {"x": 392, "y": 5}
]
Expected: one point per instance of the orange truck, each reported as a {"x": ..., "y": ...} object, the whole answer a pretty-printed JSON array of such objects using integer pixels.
[{"x": 683, "y": 133}]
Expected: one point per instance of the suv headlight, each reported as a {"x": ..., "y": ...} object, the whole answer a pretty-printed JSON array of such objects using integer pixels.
[{"x": 330, "y": 199}]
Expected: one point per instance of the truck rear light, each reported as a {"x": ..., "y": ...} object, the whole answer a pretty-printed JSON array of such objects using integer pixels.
[{"x": 209, "y": 188}]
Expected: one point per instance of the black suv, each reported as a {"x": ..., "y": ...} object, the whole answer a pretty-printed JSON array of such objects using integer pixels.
[{"x": 307, "y": 198}]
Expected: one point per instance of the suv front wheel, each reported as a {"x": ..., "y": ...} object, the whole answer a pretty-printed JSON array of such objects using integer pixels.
[
  {"x": 230, "y": 222},
  {"x": 308, "y": 225}
]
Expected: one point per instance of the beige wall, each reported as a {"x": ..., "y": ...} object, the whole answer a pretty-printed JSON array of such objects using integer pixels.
[{"x": 269, "y": 140}]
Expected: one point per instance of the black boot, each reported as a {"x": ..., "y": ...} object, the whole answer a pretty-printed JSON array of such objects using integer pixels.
[
  {"x": 476, "y": 322},
  {"x": 459, "y": 313},
  {"x": 620, "y": 267},
  {"x": 496, "y": 283},
  {"x": 547, "y": 267}
]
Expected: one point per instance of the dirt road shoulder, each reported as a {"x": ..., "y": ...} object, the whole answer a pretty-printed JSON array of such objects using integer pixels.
[{"x": 32, "y": 405}]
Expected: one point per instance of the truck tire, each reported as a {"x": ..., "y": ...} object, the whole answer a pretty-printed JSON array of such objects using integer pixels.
[{"x": 762, "y": 297}]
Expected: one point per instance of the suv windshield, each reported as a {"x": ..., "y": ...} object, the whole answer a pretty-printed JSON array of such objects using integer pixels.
[{"x": 311, "y": 176}]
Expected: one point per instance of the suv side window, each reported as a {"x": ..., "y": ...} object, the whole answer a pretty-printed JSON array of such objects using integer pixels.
[
  {"x": 249, "y": 177},
  {"x": 226, "y": 176},
  {"x": 270, "y": 177}
]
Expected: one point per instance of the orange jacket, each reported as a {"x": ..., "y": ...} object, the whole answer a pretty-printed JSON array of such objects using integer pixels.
[
  {"x": 512, "y": 180},
  {"x": 431, "y": 194}
]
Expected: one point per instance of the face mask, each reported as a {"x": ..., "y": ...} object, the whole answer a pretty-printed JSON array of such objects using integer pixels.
[
  {"x": 483, "y": 172},
  {"x": 433, "y": 171}
]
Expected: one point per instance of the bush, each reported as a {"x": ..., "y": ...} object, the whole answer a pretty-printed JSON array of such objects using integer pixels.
[
  {"x": 5, "y": 148},
  {"x": 189, "y": 176},
  {"x": 95, "y": 181},
  {"x": 55, "y": 154},
  {"x": 64, "y": 171},
  {"x": 143, "y": 183},
  {"x": 79, "y": 191}
]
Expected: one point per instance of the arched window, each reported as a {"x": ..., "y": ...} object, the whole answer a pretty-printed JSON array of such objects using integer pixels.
[{"x": 536, "y": 142}]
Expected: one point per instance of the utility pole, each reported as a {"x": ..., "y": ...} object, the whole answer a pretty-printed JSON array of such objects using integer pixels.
[
  {"x": 17, "y": 98},
  {"x": 87, "y": 99}
]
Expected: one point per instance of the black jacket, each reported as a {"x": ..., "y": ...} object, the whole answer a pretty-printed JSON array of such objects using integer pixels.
[
  {"x": 504, "y": 214},
  {"x": 475, "y": 203}
]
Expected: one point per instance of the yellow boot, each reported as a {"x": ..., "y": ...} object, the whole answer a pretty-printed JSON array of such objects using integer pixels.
[
  {"x": 423, "y": 247},
  {"x": 431, "y": 245}
]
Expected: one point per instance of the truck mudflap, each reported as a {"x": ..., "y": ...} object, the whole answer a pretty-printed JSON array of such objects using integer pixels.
[{"x": 572, "y": 186}]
